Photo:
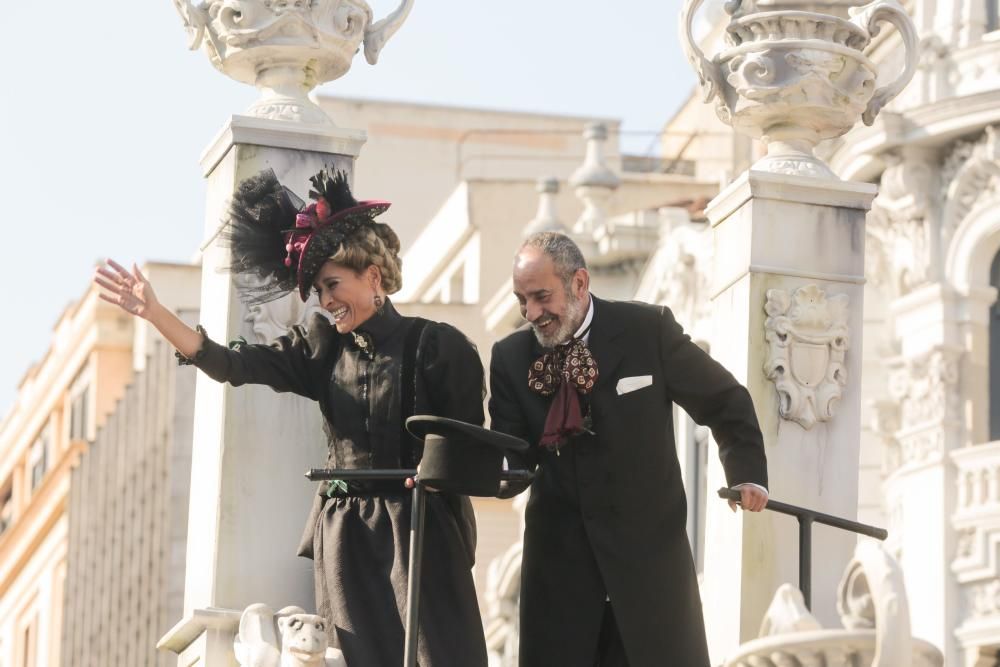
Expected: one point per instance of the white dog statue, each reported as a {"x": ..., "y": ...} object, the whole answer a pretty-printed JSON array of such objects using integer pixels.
[{"x": 288, "y": 638}]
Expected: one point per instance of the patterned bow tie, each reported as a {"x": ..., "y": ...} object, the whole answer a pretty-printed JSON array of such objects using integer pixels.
[{"x": 567, "y": 371}]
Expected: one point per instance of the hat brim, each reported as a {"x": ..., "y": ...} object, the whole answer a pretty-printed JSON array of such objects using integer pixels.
[
  {"x": 326, "y": 240},
  {"x": 422, "y": 426},
  {"x": 460, "y": 457}
]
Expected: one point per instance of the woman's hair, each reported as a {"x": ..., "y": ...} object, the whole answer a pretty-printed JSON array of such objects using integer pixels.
[{"x": 373, "y": 244}]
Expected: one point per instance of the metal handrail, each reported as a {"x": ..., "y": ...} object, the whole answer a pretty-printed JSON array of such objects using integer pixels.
[{"x": 806, "y": 518}]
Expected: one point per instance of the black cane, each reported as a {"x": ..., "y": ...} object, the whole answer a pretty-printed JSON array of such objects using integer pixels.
[
  {"x": 416, "y": 565},
  {"x": 806, "y": 518}
]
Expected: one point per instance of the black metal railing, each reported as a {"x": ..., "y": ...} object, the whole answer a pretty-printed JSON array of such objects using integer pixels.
[{"x": 807, "y": 518}]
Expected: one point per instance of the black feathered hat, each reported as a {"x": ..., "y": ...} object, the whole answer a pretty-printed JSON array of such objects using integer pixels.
[
  {"x": 275, "y": 235},
  {"x": 460, "y": 457}
]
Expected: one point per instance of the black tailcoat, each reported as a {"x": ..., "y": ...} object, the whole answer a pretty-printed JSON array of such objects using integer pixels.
[{"x": 607, "y": 515}]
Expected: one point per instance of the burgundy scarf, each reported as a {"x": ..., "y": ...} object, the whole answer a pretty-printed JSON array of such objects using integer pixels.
[{"x": 567, "y": 371}]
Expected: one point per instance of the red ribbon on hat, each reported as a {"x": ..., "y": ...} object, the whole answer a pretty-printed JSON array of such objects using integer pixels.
[{"x": 307, "y": 222}]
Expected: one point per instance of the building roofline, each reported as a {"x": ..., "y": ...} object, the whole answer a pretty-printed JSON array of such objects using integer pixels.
[{"x": 470, "y": 109}]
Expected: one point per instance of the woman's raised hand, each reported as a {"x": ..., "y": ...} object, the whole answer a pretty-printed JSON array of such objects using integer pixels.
[{"x": 130, "y": 290}]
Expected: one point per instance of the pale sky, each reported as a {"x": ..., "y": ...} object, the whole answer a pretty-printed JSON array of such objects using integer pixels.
[{"x": 105, "y": 113}]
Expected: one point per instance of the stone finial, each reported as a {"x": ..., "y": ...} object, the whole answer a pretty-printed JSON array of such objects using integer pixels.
[
  {"x": 593, "y": 182},
  {"x": 546, "y": 219},
  {"x": 782, "y": 75},
  {"x": 287, "y": 47}
]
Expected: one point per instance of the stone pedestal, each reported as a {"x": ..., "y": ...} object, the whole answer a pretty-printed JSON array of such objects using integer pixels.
[
  {"x": 204, "y": 638},
  {"x": 793, "y": 245},
  {"x": 249, "y": 500}
]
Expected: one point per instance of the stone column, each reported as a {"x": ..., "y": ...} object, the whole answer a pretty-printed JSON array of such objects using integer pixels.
[
  {"x": 977, "y": 522},
  {"x": 919, "y": 490},
  {"x": 547, "y": 217},
  {"x": 788, "y": 276},
  {"x": 789, "y": 250},
  {"x": 940, "y": 493},
  {"x": 251, "y": 446},
  {"x": 593, "y": 181}
]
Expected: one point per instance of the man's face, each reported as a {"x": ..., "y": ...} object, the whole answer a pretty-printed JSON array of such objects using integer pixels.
[{"x": 554, "y": 312}]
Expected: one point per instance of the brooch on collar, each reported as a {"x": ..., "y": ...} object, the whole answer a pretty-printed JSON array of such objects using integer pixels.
[{"x": 365, "y": 343}]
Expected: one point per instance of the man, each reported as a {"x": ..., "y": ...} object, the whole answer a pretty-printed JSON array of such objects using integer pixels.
[{"x": 607, "y": 576}]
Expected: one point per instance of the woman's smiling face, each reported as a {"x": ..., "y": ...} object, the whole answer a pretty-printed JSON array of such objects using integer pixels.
[{"x": 347, "y": 295}]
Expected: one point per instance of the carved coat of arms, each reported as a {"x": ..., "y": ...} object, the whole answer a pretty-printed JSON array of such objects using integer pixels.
[{"x": 807, "y": 339}]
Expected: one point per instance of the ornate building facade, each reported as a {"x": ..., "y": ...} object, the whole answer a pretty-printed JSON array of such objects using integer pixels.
[
  {"x": 931, "y": 357},
  {"x": 930, "y": 458}
]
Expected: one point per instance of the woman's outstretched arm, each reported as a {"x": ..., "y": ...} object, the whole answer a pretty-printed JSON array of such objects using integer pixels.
[
  {"x": 287, "y": 364},
  {"x": 134, "y": 294}
]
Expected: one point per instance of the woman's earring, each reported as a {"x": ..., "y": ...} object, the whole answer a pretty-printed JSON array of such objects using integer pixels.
[{"x": 378, "y": 303}]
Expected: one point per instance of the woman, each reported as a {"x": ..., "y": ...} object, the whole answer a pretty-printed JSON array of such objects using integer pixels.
[{"x": 369, "y": 370}]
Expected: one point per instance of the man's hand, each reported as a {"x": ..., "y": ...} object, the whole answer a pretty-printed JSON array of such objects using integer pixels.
[
  {"x": 409, "y": 482},
  {"x": 753, "y": 498}
]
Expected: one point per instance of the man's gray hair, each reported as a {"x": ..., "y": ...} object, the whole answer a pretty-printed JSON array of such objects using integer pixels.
[{"x": 562, "y": 250}]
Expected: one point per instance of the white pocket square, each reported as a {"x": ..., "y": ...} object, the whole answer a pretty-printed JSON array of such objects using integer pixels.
[{"x": 625, "y": 385}]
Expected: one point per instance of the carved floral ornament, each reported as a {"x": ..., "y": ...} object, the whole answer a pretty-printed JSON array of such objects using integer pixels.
[
  {"x": 970, "y": 175},
  {"x": 923, "y": 406},
  {"x": 985, "y": 599},
  {"x": 898, "y": 246},
  {"x": 807, "y": 340},
  {"x": 925, "y": 385},
  {"x": 922, "y": 203}
]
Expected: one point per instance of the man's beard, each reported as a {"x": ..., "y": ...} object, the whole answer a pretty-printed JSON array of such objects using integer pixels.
[{"x": 567, "y": 324}]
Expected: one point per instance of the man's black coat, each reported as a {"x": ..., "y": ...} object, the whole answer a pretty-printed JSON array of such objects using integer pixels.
[{"x": 607, "y": 515}]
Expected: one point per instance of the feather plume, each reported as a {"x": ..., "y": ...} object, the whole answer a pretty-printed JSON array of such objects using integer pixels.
[
  {"x": 260, "y": 211},
  {"x": 331, "y": 184}
]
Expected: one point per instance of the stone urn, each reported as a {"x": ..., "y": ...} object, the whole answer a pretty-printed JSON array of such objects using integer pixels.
[
  {"x": 287, "y": 47},
  {"x": 794, "y": 78}
]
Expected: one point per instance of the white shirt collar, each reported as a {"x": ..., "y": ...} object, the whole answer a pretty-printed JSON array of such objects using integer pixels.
[{"x": 586, "y": 321}]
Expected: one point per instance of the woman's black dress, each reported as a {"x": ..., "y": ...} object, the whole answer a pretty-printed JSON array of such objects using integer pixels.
[{"x": 358, "y": 534}]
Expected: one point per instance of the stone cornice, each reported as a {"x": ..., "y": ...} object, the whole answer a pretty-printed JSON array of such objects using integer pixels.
[
  {"x": 931, "y": 125},
  {"x": 280, "y": 134},
  {"x": 788, "y": 188}
]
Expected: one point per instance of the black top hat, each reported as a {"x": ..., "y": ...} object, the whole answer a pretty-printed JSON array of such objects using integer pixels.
[{"x": 460, "y": 457}]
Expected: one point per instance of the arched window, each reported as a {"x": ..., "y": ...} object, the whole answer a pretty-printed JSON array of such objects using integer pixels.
[{"x": 995, "y": 353}]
